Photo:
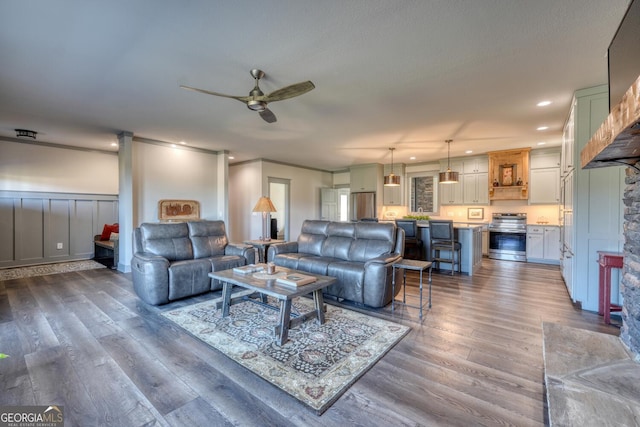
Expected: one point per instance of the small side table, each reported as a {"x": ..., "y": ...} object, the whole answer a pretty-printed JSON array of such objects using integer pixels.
[
  {"x": 410, "y": 264},
  {"x": 262, "y": 246},
  {"x": 607, "y": 261}
]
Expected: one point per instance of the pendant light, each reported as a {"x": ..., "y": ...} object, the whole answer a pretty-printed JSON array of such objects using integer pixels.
[
  {"x": 448, "y": 177},
  {"x": 391, "y": 180}
]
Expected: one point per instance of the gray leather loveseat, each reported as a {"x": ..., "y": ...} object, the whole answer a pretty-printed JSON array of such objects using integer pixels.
[
  {"x": 173, "y": 260},
  {"x": 360, "y": 255}
]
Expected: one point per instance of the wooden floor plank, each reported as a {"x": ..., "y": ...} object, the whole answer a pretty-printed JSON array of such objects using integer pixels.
[{"x": 474, "y": 359}]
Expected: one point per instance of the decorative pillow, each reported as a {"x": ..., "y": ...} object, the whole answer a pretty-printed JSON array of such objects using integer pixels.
[{"x": 108, "y": 229}]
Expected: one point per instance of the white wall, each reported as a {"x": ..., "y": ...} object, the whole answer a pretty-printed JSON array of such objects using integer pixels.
[
  {"x": 249, "y": 181},
  {"x": 31, "y": 167},
  {"x": 162, "y": 172},
  {"x": 245, "y": 188}
]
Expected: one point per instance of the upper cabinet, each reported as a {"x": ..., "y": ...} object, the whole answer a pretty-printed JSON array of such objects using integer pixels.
[
  {"x": 475, "y": 165},
  {"x": 475, "y": 180},
  {"x": 509, "y": 174},
  {"x": 365, "y": 177},
  {"x": 545, "y": 177},
  {"x": 568, "y": 137}
]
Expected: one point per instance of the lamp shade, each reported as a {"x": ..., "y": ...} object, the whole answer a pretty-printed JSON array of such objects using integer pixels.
[
  {"x": 391, "y": 180},
  {"x": 448, "y": 177},
  {"x": 264, "y": 205}
]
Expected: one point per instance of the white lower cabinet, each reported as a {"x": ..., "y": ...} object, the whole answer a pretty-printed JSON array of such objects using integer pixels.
[{"x": 543, "y": 244}]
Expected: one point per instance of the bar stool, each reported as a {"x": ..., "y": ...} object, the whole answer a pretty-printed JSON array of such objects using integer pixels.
[
  {"x": 442, "y": 239},
  {"x": 607, "y": 261},
  {"x": 410, "y": 264}
]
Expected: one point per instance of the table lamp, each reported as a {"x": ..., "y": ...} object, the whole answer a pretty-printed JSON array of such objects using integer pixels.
[{"x": 265, "y": 206}]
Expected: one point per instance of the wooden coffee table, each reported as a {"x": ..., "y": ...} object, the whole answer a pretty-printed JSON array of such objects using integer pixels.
[{"x": 283, "y": 293}]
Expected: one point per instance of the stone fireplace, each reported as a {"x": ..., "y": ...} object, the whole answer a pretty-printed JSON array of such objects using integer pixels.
[{"x": 630, "y": 331}]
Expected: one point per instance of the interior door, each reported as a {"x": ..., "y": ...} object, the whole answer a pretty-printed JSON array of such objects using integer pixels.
[{"x": 279, "y": 195}]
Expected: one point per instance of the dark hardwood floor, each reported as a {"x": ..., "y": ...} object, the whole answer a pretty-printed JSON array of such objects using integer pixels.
[{"x": 85, "y": 341}]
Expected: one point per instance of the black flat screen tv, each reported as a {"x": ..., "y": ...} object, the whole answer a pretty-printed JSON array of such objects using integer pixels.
[{"x": 624, "y": 55}]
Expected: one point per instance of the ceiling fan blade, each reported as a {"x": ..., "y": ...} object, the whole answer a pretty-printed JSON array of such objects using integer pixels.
[
  {"x": 208, "y": 92},
  {"x": 268, "y": 116},
  {"x": 287, "y": 92}
]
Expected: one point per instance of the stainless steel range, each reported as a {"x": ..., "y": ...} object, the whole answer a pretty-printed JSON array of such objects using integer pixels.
[{"x": 508, "y": 236}]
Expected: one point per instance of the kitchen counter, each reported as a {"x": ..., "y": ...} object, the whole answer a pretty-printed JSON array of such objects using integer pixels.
[{"x": 470, "y": 237}]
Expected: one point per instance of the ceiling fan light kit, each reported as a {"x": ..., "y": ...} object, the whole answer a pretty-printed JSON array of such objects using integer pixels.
[
  {"x": 25, "y": 133},
  {"x": 391, "y": 180},
  {"x": 257, "y": 100},
  {"x": 448, "y": 177}
]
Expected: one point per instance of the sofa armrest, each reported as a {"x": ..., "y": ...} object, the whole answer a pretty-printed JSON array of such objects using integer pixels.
[
  {"x": 282, "y": 248},
  {"x": 150, "y": 276},
  {"x": 246, "y": 251},
  {"x": 384, "y": 259}
]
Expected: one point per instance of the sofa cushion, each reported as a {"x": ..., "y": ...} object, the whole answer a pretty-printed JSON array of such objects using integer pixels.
[
  {"x": 289, "y": 260},
  {"x": 315, "y": 264},
  {"x": 170, "y": 241},
  {"x": 208, "y": 238},
  {"x": 338, "y": 241},
  {"x": 190, "y": 277},
  {"x": 312, "y": 236},
  {"x": 372, "y": 240}
]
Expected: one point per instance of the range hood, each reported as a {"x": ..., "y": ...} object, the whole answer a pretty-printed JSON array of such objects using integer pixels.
[{"x": 617, "y": 141}]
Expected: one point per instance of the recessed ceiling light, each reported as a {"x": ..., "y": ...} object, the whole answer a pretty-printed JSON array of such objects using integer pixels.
[
  {"x": 543, "y": 128},
  {"x": 173, "y": 145},
  {"x": 468, "y": 151},
  {"x": 231, "y": 157},
  {"x": 543, "y": 103},
  {"x": 114, "y": 144},
  {"x": 412, "y": 158},
  {"x": 183, "y": 143},
  {"x": 541, "y": 143}
]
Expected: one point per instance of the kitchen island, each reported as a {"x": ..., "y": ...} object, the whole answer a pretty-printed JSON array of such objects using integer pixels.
[{"x": 470, "y": 237}]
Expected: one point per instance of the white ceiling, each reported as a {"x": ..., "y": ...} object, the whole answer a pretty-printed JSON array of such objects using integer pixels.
[{"x": 407, "y": 74}]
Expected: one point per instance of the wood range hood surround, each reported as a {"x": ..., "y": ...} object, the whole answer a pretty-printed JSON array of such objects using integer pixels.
[
  {"x": 518, "y": 161},
  {"x": 617, "y": 141}
]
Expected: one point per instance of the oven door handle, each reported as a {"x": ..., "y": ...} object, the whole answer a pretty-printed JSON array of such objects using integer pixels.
[{"x": 508, "y": 230}]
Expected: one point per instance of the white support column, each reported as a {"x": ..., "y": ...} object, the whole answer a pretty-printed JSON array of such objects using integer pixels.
[{"x": 125, "y": 202}]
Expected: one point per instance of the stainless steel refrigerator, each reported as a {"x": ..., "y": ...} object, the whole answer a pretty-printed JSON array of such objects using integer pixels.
[{"x": 363, "y": 205}]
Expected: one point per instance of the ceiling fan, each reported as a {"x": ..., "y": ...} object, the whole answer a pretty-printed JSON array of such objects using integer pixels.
[{"x": 257, "y": 100}]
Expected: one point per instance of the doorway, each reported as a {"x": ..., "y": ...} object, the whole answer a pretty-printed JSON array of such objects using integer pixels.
[{"x": 279, "y": 195}]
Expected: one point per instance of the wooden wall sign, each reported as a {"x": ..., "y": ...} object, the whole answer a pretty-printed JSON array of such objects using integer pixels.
[{"x": 178, "y": 210}]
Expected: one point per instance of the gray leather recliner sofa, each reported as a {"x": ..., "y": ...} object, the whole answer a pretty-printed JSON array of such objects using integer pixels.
[
  {"x": 173, "y": 260},
  {"x": 360, "y": 255}
]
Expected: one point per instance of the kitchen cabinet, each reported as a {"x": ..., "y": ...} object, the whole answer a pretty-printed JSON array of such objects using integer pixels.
[
  {"x": 544, "y": 177},
  {"x": 592, "y": 208},
  {"x": 544, "y": 186},
  {"x": 394, "y": 196},
  {"x": 568, "y": 136},
  {"x": 475, "y": 188},
  {"x": 451, "y": 194},
  {"x": 544, "y": 159},
  {"x": 365, "y": 177},
  {"x": 552, "y": 243},
  {"x": 475, "y": 165},
  {"x": 543, "y": 244}
]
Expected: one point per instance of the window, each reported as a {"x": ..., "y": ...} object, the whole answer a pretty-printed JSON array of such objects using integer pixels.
[{"x": 423, "y": 196}]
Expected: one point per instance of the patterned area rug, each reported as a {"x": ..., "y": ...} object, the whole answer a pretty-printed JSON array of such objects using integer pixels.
[
  {"x": 45, "y": 269},
  {"x": 316, "y": 365}
]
